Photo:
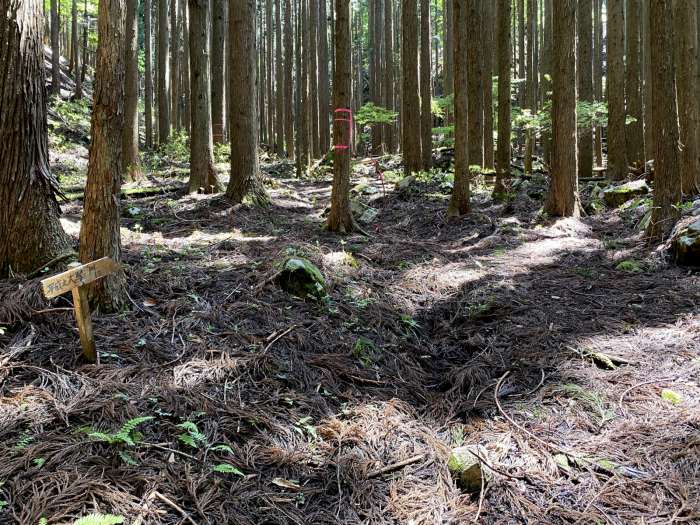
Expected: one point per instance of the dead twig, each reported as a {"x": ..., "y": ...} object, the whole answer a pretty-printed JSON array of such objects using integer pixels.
[
  {"x": 175, "y": 506},
  {"x": 395, "y": 466}
]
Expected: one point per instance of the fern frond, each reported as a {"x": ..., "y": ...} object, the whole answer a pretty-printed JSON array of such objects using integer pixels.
[{"x": 100, "y": 519}]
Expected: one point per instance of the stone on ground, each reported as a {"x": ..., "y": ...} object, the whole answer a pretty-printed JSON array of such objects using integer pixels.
[
  {"x": 300, "y": 277},
  {"x": 685, "y": 244},
  {"x": 618, "y": 195}
]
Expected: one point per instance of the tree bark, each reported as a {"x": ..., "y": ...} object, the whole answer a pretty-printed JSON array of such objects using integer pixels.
[
  {"x": 504, "y": 103},
  {"x": 175, "y": 41},
  {"x": 388, "y": 87},
  {"x": 288, "y": 80},
  {"x": 279, "y": 82},
  {"x": 685, "y": 29},
  {"x": 131, "y": 93},
  {"x": 245, "y": 169},
  {"x": 218, "y": 91},
  {"x": 562, "y": 199},
  {"x": 163, "y": 73},
  {"x": 633, "y": 85},
  {"x": 488, "y": 29},
  {"x": 305, "y": 105},
  {"x": 598, "y": 76},
  {"x": 584, "y": 70},
  {"x": 148, "y": 73},
  {"x": 55, "y": 50},
  {"x": 323, "y": 79},
  {"x": 313, "y": 78},
  {"x": 461, "y": 192},
  {"x": 530, "y": 82},
  {"x": 99, "y": 234},
  {"x": 31, "y": 231},
  {"x": 664, "y": 121},
  {"x": 475, "y": 85},
  {"x": 617, "y": 147},
  {"x": 75, "y": 48},
  {"x": 340, "y": 218},
  {"x": 410, "y": 107},
  {"x": 646, "y": 47},
  {"x": 426, "y": 116}
]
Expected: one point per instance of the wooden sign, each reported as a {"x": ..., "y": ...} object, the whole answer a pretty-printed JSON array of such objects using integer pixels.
[{"x": 75, "y": 280}]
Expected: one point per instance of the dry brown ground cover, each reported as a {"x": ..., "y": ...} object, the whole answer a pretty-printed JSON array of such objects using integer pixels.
[{"x": 489, "y": 330}]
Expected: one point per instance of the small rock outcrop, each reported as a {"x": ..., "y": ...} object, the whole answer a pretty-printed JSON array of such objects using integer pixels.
[
  {"x": 618, "y": 195},
  {"x": 467, "y": 469},
  {"x": 300, "y": 277},
  {"x": 685, "y": 244}
]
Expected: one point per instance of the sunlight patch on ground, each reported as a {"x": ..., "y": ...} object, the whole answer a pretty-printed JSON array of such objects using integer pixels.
[{"x": 438, "y": 278}]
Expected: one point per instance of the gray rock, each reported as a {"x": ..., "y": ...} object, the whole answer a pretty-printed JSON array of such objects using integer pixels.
[
  {"x": 618, "y": 195},
  {"x": 468, "y": 469},
  {"x": 300, "y": 277},
  {"x": 685, "y": 244}
]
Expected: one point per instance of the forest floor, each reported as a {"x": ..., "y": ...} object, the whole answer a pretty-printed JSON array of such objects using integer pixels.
[{"x": 579, "y": 375}]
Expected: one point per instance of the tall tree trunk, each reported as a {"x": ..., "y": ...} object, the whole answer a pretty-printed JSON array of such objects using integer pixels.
[
  {"x": 388, "y": 83},
  {"x": 475, "y": 85},
  {"x": 184, "y": 105},
  {"x": 646, "y": 49},
  {"x": 269, "y": 87},
  {"x": 584, "y": 70},
  {"x": 488, "y": 26},
  {"x": 55, "y": 50},
  {"x": 175, "y": 41},
  {"x": 617, "y": 147},
  {"x": 340, "y": 217},
  {"x": 99, "y": 234},
  {"x": 313, "y": 77},
  {"x": 202, "y": 174},
  {"x": 148, "y": 72},
  {"x": 562, "y": 199},
  {"x": 279, "y": 81},
  {"x": 546, "y": 85},
  {"x": 426, "y": 116},
  {"x": 633, "y": 84},
  {"x": 305, "y": 106},
  {"x": 31, "y": 232},
  {"x": 598, "y": 76},
  {"x": 410, "y": 107},
  {"x": 504, "y": 123},
  {"x": 75, "y": 51},
  {"x": 323, "y": 79},
  {"x": 461, "y": 192},
  {"x": 288, "y": 80},
  {"x": 521, "y": 51},
  {"x": 530, "y": 82},
  {"x": 664, "y": 122},
  {"x": 131, "y": 92},
  {"x": 245, "y": 168},
  {"x": 219, "y": 24},
  {"x": 163, "y": 73},
  {"x": 685, "y": 29}
]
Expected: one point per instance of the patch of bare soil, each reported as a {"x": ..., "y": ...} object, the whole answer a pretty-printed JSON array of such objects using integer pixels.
[{"x": 577, "y": 374}]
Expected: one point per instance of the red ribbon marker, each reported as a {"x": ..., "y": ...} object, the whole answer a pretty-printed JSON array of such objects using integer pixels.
[{"x": 346, "y": 112}]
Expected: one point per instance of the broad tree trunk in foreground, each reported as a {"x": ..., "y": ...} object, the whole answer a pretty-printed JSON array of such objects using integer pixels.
[
  {"x": 459, "y": 202},
  {"x": 202, "y": 175},
  {"x": 617, "y": 146},
  {"x": 504, "y": 123},
  {"x": 664, "y": 122},
  {"x": 685, "y": 28},
  {"x": 99, "y": 234},
  {"x": 562, "y": 199},
  {"x": 245, "y": 168},
  {"x": 30, "y": 232},
  {"x": 131, "y": 92},
  {"x": 410, "y": 105},
  {"x": 340, "y": 218}
]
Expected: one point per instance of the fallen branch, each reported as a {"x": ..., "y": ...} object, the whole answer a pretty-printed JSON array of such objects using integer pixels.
[
  {"x": 175, "y": 506},
  {"x": 395, "y": 466}
]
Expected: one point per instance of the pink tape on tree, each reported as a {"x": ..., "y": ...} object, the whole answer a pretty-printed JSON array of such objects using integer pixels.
[{"x": 346, "y": 112}]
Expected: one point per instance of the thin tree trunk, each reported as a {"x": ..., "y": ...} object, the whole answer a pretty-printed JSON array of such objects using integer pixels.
[
  {"x": 131, "y": 93},
  {"x": 269, "y": 57},
  {"x": 562, "y": 199},
  {"x": 323, "y": 79},
  {"x": 584, "y": 70},
  {"x": 99, "y": 233},
  {"x": 410, "y": 107},
  {"x": 685, "y": 29},
  {"x": 175, "y": 28},
  {"x": 646, "y": 45},
  {"x": 340, "y": 218},
  {"x": 288, "y": 80},
  {"x": 185, "y": 97},
  {"x": 279, "y": 82},
  {"x": 202, "y": 174},
  {"x": 530, "y": 87},
  {"x": 489, "y": 43},
  {"x": 475, "y": 85},
  {"x": 598, "y": 76},
  {"x": 313, "y": 77},
  {"x": 448, "y": 53},
  {"x": 245, "y": 168},
  {"x": 305, "y": 106},
  {"x": 163, "y": 73},
  {"x": 426, "y": 116},
  {"x": 617, "y": 147},
  {"x": 521, "y": 51},
  {"x": 55, "y": 50},
  {"x": 75, "y": 51},
  {"x": 148, "y": 80},
  {"x": 664, "y": 121},
  {"x": 633, "y": 85},
  {"x": 218, "y": 77},
  {"x": 389, "y": 133},
  {"x": 546, "y": 85},
  {"x": 504, "y": 103},
  {"x": 29, "y": 213}
]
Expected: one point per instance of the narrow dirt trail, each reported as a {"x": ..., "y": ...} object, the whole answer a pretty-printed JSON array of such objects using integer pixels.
[{"x": 424, "y": 320}]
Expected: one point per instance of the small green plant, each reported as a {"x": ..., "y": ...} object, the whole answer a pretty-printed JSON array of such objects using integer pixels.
[
  {"x": 177, "y": 148},
  {"x": 629, "y": 266},
  {"x": 192, "y": 436},
  {"x": 304, "y": 427},
  {"x": 370, "y": 113},
  {"x": 592, "y": 400},
  {"x": 227, "y": 468},
  {"x": 99, "y": 519},
  {"x": 365, "y": 351},
  {"x": 126, "y": 435}
]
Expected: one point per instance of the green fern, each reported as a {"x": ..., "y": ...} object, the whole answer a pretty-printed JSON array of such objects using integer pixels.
[
  {"x": 126, "y": 435},
  {"x": 99, "y": 519},
  {"x": 226, "y": 468},
  {"x": 193, "y": 437}
]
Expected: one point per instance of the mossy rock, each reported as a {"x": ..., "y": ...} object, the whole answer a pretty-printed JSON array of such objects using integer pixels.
[
  {"x": 686, "y": 245},
  {"x": 467, "y": 468},
  {"x": 405, "y": 185},
  {"x": 618, "y": 195},
  {"x": 301, "y": 278}
]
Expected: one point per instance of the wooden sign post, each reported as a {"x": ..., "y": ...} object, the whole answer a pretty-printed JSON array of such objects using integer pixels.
[{"x": 75, "y": 280}]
